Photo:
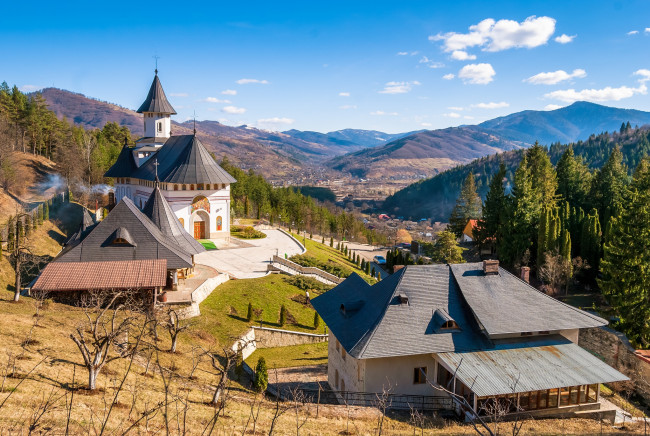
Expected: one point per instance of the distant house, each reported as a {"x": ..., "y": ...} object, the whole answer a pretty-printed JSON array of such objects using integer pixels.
[{"x": 474, "y": 329}]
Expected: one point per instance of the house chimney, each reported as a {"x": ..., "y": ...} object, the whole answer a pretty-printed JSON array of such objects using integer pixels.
[
  {"x": 490, "y": 267},
  {"x": 397, "y": 268},
  {"x": 525, "y": 274}
]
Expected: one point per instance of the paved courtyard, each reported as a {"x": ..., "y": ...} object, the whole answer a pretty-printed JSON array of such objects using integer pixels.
[{"x": 250, "y": 258}]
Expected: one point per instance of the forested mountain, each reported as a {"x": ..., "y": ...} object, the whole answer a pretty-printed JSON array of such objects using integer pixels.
[
  {"x": 436, "y": 196},
  {"x": 348, "y": 140},
  {"x": 568, "y": 124},
  {"x": 422, "y": 154}
]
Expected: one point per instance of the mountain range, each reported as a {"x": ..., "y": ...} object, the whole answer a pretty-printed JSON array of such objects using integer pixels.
[{"x": 365, "y": 153}]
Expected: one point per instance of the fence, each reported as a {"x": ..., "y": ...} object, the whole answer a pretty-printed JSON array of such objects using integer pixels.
[{"x": 288, "y": 266}]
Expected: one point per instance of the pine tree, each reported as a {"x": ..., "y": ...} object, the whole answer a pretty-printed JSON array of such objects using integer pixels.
[
  {"x": 446, "y": 249},
  {"x": 46, "y": 211},
  {"x": 626, "y": 262},
  {"x": 609, "y": 187},
  {"x": 363, "y": 264},
  {"x": 543, "y": 234},
  {"x": 40, "y": 215},
  {"x": 283, "y": 315},
  {"x": 372, "y": 272},
  {"x": 261, "y": 380},
  {"x": 345, "y": 250},
  {"x": 316, "y": 320},
  {"x": 378, "y": 276},
  {"x": 338, "y": 246},
  {"x": 11, "y": 235},
  {"x": 543, "y": 177},
  {"x": 590, "y": 244},
  {"x": 35, "y": 219},
  {"x": 490, "y": 226},
  {"x": 331, "y": 241},
  {"x": 28, "y": 225},
  {"x": 249, "y": 312},
  {"x": 573, "y": 179},
  {"x": 323, "y": 241},
  {"x": 468, "y": 206}
]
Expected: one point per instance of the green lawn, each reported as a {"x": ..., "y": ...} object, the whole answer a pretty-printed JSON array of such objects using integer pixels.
[
  {"x": 223, "y": 313},
  {"x": 246, "y": 232},
  {"x": 295, "y": 355},
  {"x": 208, "y": 244},
  {"x": 326, "y": 254}
]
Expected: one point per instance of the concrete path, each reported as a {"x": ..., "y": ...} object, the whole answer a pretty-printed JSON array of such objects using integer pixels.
[{"x": 251, "y": 261}]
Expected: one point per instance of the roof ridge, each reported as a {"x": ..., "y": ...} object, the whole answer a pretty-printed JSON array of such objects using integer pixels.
[
  {"x": 596, "y": 318},
  {"x": 371, "y": 331}
]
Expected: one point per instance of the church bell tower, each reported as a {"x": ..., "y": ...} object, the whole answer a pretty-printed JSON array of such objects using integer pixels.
[{"x": 157, "y": 112}]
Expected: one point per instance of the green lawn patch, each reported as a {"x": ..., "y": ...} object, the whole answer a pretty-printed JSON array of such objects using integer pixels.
[
  {"x": 246, "y": 232},
  {"x": 223, "y": 313},
  {"x": 208, "y": 244},
  {"x": 295, "y": 355}
]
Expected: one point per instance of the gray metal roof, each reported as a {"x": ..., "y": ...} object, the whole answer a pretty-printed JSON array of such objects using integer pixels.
[
  {"x": 157, "y": 209},
  {"x": 505, "y": 304},
  {"x": 183, "y": 159},
  {"x": 87, "y": 224},
  {"x": 124, "y": 166},
  {"x": 148, "y": 241},
  {"x": 156, "y": 100},
  {"x": 382, "y": 327},
  {"x": 543, "y": 363}
]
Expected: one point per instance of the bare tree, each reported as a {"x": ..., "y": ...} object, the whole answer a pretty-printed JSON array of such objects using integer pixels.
[
  {"x": 280, "y": 406},
  {"x": 300, "y": 407},
  {"x": 383, "y": 402},
  {"x": 174, "y": 327},
  {"x": 107, "y": 321},
  {"x": 47, "y": 404},
  {"x": 556, "y": 271},
  {"x": 222, "y": 364}
]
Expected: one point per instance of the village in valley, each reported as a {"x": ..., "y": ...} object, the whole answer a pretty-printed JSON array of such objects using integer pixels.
[{"x": 163, "y": 274}]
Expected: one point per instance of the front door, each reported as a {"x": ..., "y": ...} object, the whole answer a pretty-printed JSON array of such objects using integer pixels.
[{"x": 199, "y": 230}]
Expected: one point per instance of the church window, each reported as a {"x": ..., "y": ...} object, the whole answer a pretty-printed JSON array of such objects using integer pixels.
[
  {"x": 175, "y": 187},
  {"x": 219, "y": 224},
  {"x": 184, "y": 187},
  {"x": 160, "y": 127},
  {"x": 191, "y": 187},
  {"x": 199, "y": 187}
]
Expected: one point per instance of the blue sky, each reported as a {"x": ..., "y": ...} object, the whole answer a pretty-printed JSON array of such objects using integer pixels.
[{"x": 390, "y": 66}]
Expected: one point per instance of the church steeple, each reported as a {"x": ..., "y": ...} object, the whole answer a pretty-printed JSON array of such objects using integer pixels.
[{"x": 157, "y": 112}]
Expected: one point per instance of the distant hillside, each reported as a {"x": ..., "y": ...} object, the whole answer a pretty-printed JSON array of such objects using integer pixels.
[
  {"x": 435, "y": 197},
  {"x": 568, "y": 124},
  {"x": 422, "y": 154},
  {"x": 348, "y": 140}
]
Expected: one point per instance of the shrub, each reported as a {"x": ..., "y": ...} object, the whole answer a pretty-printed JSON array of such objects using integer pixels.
[
  {"x": 249, "y": 313},
  {"x": 316, "y": 320},
  {"x": 283, "y": 315},
  {"x": 306, "y": 283},
  {"x": 261, "y": 376},
  {"x": 331, "y": 242}
]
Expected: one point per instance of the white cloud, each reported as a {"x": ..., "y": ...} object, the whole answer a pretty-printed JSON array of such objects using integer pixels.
[
  {"x": 247, "y": 81},
  {"x": 500, "y": 35},
  {"x": 348, "y": 106},
  {"x": 552, "y": 107},
  {"x": 480, "y": 74},
  {"x": 216, "y": 100},
  {"x": 468, "y": 117},
  {"x": 344, "y": 94},
  {"x": 229, "y": 92},
  {"x": 179, "y": 94},
  {"x": 402, "y": 53},
  {"x": 604, "y": 94},
  {"x": 430, "y": 62},
  {"x": 426, "y": 124},
  {"x": 455, "y": 108},
  {"x": 233, "y": 110},
  {"x": 29, "y": 88},
  {"x": 448, "y": 76},
  {"x": 647, "y": 30},
  {"x": 564, "y": 38},
  {"x": 633, "y": 32},
  {"x": 275, "y": 122},
  {"x": 398, "y": 87},
  {"x": 554, "y": 77},
  {"x": 451, "y": 115},
  {"x": 461, "y": 55},
  {"x": 491, "y": 105},
  {"x": 383, "y": 113}
]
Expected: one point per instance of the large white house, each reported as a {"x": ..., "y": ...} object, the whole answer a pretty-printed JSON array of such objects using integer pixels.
[
  {"x": 195, "y": 186},
  {"x": 473, "y": 329}
]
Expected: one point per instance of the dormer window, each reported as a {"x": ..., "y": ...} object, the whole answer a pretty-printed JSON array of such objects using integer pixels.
[
  {"x": 403, "y": 299},
  {"x": 449, "y": 325},
  {"x": 122, "y": 238},
  {"x": 443, "y": 322}
]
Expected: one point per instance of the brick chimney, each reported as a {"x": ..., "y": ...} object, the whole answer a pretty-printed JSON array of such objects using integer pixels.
[
  {"x": 490, "y": 267},
  {"x": 525, "y": 274}
]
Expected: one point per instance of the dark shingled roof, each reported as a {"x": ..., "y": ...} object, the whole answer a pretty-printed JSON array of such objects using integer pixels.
[
  {"x": 183, "y": 159},
  {"x": 87, "y": 224},
  {"x": 490, "y": 296},
  {"x": 156, "y": 100},
  {"x": 161, "y": 214},
  {"x": 87, "y": 276},
  {"x": 124, "y": 166},
  {"x": 148, "y": 242},
  {"x": 379, "y": 326}
]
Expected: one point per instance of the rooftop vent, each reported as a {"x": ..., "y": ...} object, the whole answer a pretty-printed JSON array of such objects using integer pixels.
[
  {"x": 350, "y": 307},
  {"x": 490, "y": 267},
  {"x": 403, "y": 299}
]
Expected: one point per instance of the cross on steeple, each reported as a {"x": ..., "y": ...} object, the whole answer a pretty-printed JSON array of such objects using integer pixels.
[
  {"x": 155, "y": 163},
  {"x": 194, "y": 123},
  {"x": 156, "y": 57}
]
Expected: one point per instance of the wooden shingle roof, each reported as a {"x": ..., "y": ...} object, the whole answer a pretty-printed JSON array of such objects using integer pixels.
[{"x": 156, "y": 100}]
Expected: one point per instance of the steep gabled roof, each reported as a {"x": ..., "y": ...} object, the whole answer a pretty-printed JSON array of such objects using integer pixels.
[
  {"x": 183, "y": 159},
  {"x": 146, "y": 240},
  {"x": 156, "y": 100},
  {"x": 161, "y": 214},
  {"x": 125, "y": 164},
  {"x": 395, "y": 317},
  {"x": 87, "y": 224},
  {"x": 505, "y": 304}
]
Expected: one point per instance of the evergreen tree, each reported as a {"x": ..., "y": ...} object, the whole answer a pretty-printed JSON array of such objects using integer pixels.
[
  {"x": 283, "y": 315},
  {"x": 565, "y": 246},
  {"x": 489, "y": 227},
  {"x": 446, "y": 249},
  {"x": 389, "y": 259},
  {"x": 316, "y": 320},
  {"x": 573, "y": 179},
  {"x": 372, "y": 272},
  {"x": 626, "y": 262},
  {"x": 363, "y": 264},
  {"x": 249, "y": 312},
  {"x": 261, "y": 380},
  {"x": 543, "y": 177},
  {"x": 323, "y": 241},
  {"x": 345, "y": 250},
  {"x": 609, "y": 187},
  {"x": 11, "y": 235},
  {"x": 46, "y": 211},
  {"x": 590, "y": 244},
  {"x": 35, "y": 219},
  {"x": 543, "y": 234},
  {"x": 28, "y": 225},
  {"x": 331, "y": 241},
  {"x": 378, "y": 275},
  {"x": 468, "y": 206},
  {"x": 40, "y": 215}
]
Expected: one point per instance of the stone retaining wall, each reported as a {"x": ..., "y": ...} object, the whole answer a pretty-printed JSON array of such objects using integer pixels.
[
  {"x": 200, "y": 294},
  {"x": 264, "y": 337},
  {"x": 614, "y": 349}
]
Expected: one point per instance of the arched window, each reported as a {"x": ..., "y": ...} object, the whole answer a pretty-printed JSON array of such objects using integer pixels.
[
  {"x": 336, "y": 378},
  {"x": 191, "y": 187},
  {"x": 175, "y": 187},
  {"x": 219, "y": 224},
  {"x": 184, "y": 187}
]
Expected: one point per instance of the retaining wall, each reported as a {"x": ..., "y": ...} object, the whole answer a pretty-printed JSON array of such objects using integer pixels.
[
  {"x": 264, "y": 337},
  {"x": 615, "y": 349},
  {"x": 200, "y": 294}
]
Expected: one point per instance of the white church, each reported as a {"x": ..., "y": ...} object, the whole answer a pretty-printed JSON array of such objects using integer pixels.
[{"x": 194, "y": 185}]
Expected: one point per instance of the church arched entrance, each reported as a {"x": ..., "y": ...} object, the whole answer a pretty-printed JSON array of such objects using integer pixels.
[{"x": 201, "y": 224}]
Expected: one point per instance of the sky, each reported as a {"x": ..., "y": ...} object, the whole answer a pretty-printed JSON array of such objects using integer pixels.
[{"x": 324, "y": 66}]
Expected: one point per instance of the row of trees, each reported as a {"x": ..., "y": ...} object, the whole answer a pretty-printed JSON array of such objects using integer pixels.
[
  {"x": 542, "y": 222},
  {"x": 253, "y": 197}
]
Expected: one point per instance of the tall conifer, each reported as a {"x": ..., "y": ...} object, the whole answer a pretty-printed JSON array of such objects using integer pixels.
[{"x": 468, "y": 206}]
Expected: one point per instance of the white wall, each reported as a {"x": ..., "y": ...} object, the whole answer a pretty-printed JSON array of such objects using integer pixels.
[
  {"x": 151, "y": 121},
  {"x": 350, "y": 370},
  {"x": 396, "y": 374}
]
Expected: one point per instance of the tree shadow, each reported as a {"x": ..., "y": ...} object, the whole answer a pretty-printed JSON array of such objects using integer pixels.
[{"x": 58, "y": 237}]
